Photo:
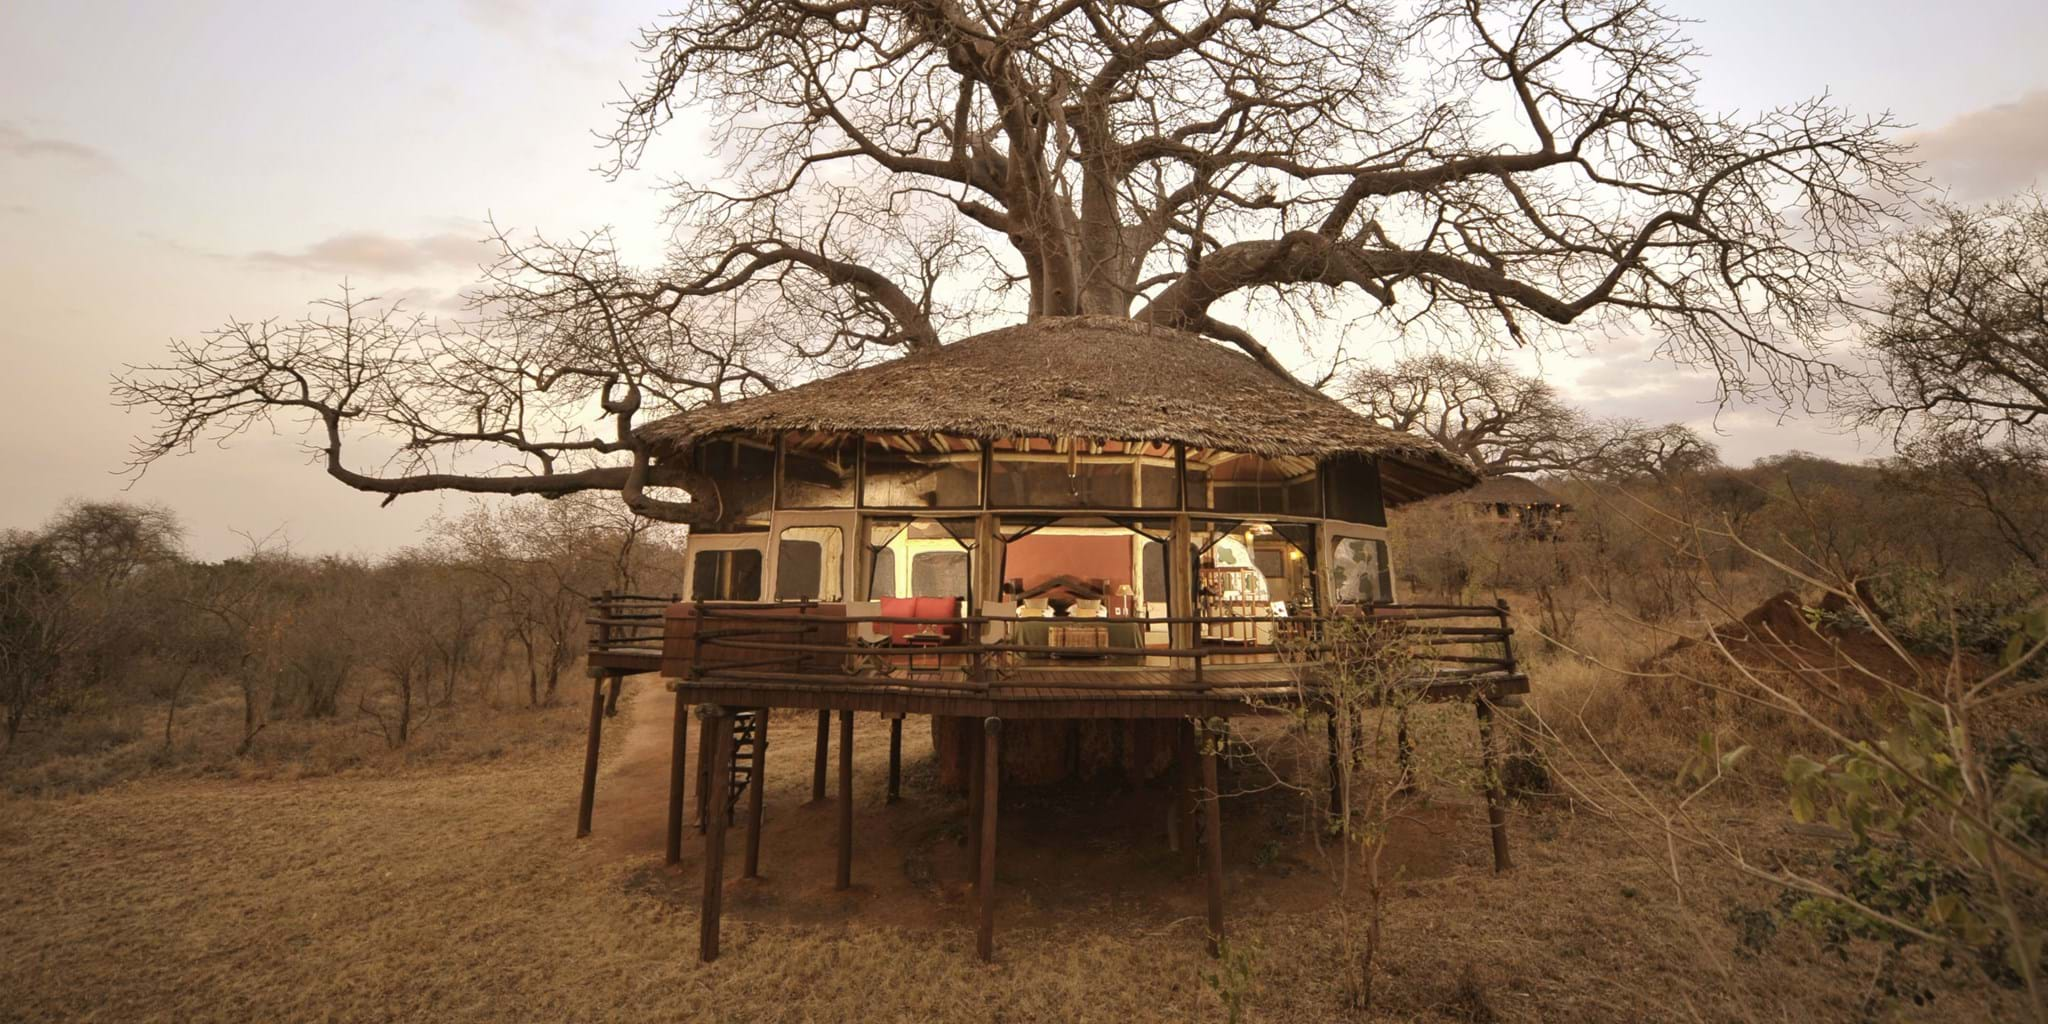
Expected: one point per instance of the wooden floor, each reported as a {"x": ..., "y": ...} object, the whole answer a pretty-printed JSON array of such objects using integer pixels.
[{"x": 1037, "y": 690}]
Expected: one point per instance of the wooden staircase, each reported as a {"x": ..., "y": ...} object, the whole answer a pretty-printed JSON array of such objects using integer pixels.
[{"x": 741, "y": 770}]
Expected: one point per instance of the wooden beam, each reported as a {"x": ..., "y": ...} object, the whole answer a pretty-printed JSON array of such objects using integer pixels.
[
  {"x": 611, "y": 703},
  {"x": 976, "y": 765},
  {"x": 985, "y": 884},
  {"x": 818, "y": 764},
  {"x": 678, "y": 748},
  {"x": 845, "y": 878},
  {"x": 589, "y": 799},
  {"x": 1212, "y": 837},
  {"x": 895, "y": 758},
  {"x": 1496, "y": 797},
  {"x": 718, "y": 739},
  {"x": 757, "y": 781}
]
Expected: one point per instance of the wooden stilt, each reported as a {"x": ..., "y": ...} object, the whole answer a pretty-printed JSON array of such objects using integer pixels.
[
  {"x": 705, "y": 753},
  {"x": 1496, "y": 797},
  {"x": 718, "y": 739},
  {"x": 1212, "y": 839},
  {"x": 985, "y": 884},
  {"x": 679, "y": 747},
  {"x": 895, "y": 758},
  {"x": 589, "y": 799},
  {"x": 1189, "y": 776},
  {"x": 611, "y": 703},
  {"x": 757, "y": 781},
  {"x": 976, "y": 766},
  {"x": 845, "y": 879},
  {"x": 818, "y": 766}
]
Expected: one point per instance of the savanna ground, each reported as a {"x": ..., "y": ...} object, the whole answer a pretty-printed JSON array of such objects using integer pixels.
[{"x": 443, "y": 883}]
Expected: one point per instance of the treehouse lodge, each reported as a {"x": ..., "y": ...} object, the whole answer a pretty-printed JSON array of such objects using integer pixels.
[{"x": 1065, "y": 532}]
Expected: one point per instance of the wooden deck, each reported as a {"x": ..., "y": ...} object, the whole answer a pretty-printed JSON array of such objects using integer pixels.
[
  {"x": 1062, "y": 692},
  {"x": 732, "y": 665},
  {"x": 792, "y": 659}
]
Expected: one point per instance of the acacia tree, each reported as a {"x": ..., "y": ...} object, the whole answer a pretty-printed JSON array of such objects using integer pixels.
[
  {"x": 1962, "y": 334},
  {"x": 894, "y": 169}
]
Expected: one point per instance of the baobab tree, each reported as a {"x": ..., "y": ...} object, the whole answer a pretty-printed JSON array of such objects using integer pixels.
[{"x": 896, "y": 171}]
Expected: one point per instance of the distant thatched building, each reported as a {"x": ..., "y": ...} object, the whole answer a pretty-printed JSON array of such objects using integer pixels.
[{"x": 1518, "y": 501}]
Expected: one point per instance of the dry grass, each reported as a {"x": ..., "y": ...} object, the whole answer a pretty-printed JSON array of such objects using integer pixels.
[
  {"x": 458, "y": 894},
  {"x": 84, "y": 752}
]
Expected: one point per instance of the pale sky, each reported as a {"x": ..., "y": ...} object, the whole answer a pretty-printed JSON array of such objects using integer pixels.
[{"x": 166, "y": 165}]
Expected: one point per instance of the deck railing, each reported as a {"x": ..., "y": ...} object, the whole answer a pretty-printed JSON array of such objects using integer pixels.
[{"x": 809, "y": 643}]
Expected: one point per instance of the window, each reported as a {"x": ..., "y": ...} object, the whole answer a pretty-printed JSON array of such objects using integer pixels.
[
  {"x": 883, "y": 581},
  {"x": 1351, "y": 486},
  {"x": 1283, "y": 485},
  {"x": 1079, "y": 473},
  {"x": 818, "y": 471},
  {"x": 1359, "y": 572},
  {"x": 745, "y": 472},
  {"x": 807, "y": 563},
  {"x": 938, "y": 574},
  {"x": 922, "y": 472},
  {"x": 732, "y": 574}
]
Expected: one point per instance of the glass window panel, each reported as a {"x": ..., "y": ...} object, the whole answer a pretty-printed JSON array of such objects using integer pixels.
[
  {"x": 1351, "y": 487},
  {"x": 1079, "y": 473},
  {"x": 807, "y": 563},
  {"x": 939, "y": 574},
  {"x": 1359, "y": 571},
  {"x": 744, "y": 471},
  {"x": 883, "y": 581},
  {"x": 1249, "y": 483},
  {"x": 1159, "y": 486},
  {"x": 922, "y": 472},
  {"x": 818, "y": 471},
  {"x": 726, "y": 575}
]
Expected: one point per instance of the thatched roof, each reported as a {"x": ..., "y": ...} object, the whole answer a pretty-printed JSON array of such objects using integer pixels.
[
  {"x": 1092, "y": 377},
  {"x": 1509, "y": 490}
]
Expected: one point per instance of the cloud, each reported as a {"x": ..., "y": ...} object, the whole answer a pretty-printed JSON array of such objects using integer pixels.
[
  {"x": 372, "y": 252},
  {"x": 20, "y": 145},
  {"x": 1989, "y": 153}
]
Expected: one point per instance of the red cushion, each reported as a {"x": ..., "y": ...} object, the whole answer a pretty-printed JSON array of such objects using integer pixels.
[
  {"x": 939, "y": 608},
  {"x": 899, "y": 607}
]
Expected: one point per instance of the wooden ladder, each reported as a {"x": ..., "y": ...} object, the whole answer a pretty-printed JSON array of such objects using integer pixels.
[{"x": 745, "y": 765}]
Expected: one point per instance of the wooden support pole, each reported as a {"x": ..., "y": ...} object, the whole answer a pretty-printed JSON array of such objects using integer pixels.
[
  {"x": 717, "y": 738},
  {"x": 976, "y": 766},
  {"x": 678, "y": 748},
  {"x": 985, "y": 883},
  {"x": 895, "y": 758},
  {"x": 818, "y": 765},
  {"x": 757, "y": 780},
  {"x": 845, "y": 879},
  {"x": 1212, "y": 838},
  {"x": 1496, "y": 797},
  {"x": 611, "y": 703},
  {"x": 1189, "y": 776},
  {"x": 706, "y": 751},
  {"x": 589, "y": 799}
]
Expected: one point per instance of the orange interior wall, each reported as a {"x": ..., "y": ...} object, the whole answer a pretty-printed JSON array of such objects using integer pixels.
[{"x": 1038, "y": 556}]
